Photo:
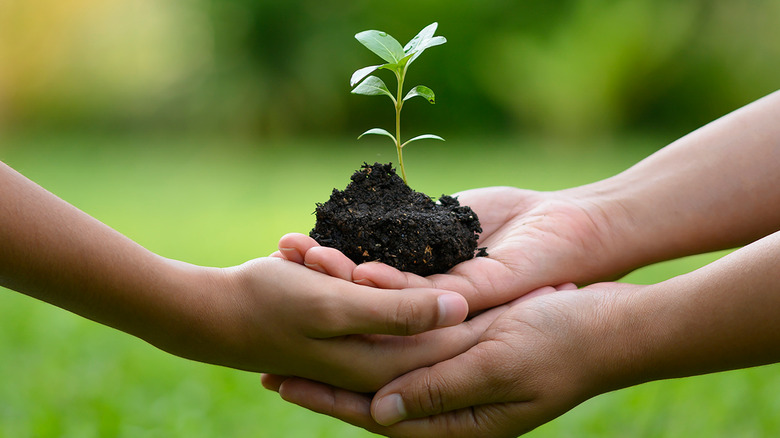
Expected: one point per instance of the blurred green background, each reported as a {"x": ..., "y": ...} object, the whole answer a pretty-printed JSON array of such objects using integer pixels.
[
  {"x": 206, "y": 129},
  {"x": 279, "y": 69}
]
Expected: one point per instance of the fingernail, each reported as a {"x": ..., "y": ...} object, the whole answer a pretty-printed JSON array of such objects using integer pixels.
[
  {"x": 452, "y": 309},
  {"x": 290, "y": 254},
  {"x": 389, "y": 410},
  {"x": 365, "y": 282},
  {"x": 315, "y": 267}
]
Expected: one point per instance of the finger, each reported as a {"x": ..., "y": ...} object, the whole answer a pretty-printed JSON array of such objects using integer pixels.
[
  {"x": 355, "y": 408},
  {"x": 366, "y": 363},
  {"x": 484, "y": 282},
  {"x": 544, "y": 291},
  {"x": 466, "y": 380},
  {"x": 567, "y": 286},
  {"x": 291, "y": 254},
  {"x": 277, "y": 254},
  {"x": 293, "y": 246},
  {"x": 272, "y": 382},
  {"x": 506, "y": 419},
  {"x": 366, "y": 310},
  {"x": 533, "y": 294},
  {"x": 329, "y": 261},
  {"x": 431, "y": 347},
  {"x": 348, "y": 406},
  {"x": 384, "y": 276},
  {"x": 493, "y": 420}
]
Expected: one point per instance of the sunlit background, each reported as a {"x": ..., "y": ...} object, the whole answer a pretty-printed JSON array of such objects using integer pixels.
[
  {"x": 280, "y": 69},
  {"x": 206, "y": 129}
]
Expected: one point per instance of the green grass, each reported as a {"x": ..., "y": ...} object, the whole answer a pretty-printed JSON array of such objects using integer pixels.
[{"x": 216, "y": 203}]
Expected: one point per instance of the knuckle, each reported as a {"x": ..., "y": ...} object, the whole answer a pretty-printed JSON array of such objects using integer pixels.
[
  {"x": 430, "y": 397},
  {"x": 407, "y": 317}
]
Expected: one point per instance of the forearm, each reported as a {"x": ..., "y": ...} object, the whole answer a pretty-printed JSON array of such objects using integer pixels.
[
  {"x": 723, "y": 316},
  {"x": 52, "y": 251},
  {"x": 716, "y": 188}
]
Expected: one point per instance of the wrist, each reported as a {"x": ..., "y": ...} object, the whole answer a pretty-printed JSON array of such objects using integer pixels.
[
  {"x": 642, "y": 331},
  {"x": 182, "y": 317},
  {"x": 614, "y": 239},
  {"x": 625, "y": 338},
  {"x": 639, "y": 220}
]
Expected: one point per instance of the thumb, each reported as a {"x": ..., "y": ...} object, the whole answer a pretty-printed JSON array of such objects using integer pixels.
[
  {"x": 446, "y": 386},
  {"x": 391, "y": 312}
]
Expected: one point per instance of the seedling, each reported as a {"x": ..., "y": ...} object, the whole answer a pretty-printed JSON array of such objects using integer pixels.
[{"x": 398, "y": 59}]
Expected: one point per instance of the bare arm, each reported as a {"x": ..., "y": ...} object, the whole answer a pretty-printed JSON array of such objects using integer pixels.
[
  {"x": 723, "y": 316},
  {"x": 267, "y": 315},
  {"x": 716, "y": 188},
  {"x": 57, "y": 253}
]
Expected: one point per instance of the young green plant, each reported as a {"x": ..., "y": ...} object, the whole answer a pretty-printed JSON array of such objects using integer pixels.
[{"x": 398, "y": 59}]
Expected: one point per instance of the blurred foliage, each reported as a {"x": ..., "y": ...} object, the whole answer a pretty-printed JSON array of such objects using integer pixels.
[{"x": 277, "y": 69}]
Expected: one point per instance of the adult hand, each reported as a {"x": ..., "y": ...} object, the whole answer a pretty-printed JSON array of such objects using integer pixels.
[
  {"x": 534, "y": 239},
  {"x": 551, "y": 351},
  {"x": 713, "y": 189},
  {"x": 543, "y": 356}
]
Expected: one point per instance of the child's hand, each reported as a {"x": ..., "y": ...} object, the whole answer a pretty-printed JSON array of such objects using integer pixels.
[
  {"x": 275, "y": 316},
  {"x": 304, "y": 250}
]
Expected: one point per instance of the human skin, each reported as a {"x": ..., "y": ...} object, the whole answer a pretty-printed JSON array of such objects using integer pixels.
[
  {"x": 716, "y": 188},
  {"x": 266, "y": 315},
  {"x": 552, "y": 351}
]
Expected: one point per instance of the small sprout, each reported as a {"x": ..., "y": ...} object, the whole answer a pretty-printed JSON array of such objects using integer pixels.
[{"x": 398, "y": 59}]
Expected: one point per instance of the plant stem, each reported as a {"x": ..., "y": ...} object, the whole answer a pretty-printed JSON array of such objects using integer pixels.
[{"x": 399, "y": 103}]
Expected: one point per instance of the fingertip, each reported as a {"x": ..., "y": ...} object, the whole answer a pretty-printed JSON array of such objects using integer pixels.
[
  {"x": 293, "y": 246},
  {"x": 272, "y": 382},
  {"x": 330, "y": 261},
  {"x": 302, "y": 391},
  {"x": 384, "y": 276},
  {"x": 364, "y": 282},
  {"x": 388, "y": 410},
  {"x": 453, "y": 309},
  {"x": 299, "y": 240},
  {"x": 316, "y": 267},
  {"x": 291, "y": 254},
  {"x": 566, "y": 286}
]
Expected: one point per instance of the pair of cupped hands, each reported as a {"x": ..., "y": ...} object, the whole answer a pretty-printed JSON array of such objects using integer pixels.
[{"x": 495, "y": 347}]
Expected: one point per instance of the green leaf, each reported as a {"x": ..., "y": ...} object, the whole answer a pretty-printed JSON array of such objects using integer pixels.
[
  {"x": 373, "y": 86},
  {"x": 378, "y": 131},
  {"x": 422, "y": 41},
  {"x": 382, "y": 44},
  {"x": 422, "y": 91},
  {"x": 435, "y": 41},
  {"x": 421, "y": 137},
  {"x": 360, "y": 74},
  {"x": 425, "y": 34}
]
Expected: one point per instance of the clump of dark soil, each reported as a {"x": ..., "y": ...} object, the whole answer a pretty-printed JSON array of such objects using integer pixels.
[{"x": 379, "y": 218}]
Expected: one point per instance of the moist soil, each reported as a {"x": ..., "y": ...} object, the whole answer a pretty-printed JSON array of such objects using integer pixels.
[{"x": 379, "y": 218}]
